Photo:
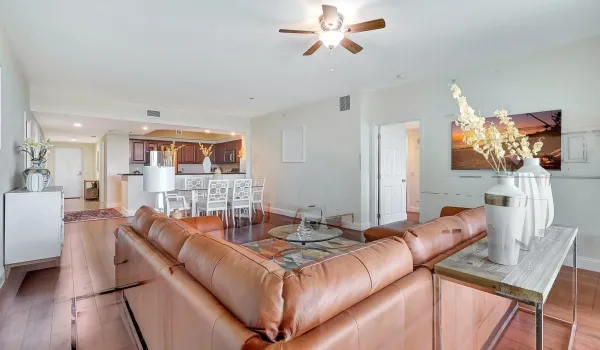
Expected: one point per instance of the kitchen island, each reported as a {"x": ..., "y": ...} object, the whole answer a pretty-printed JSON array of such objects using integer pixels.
[{"x": 133, "y": 195}]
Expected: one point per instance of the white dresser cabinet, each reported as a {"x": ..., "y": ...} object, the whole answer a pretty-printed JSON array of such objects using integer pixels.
[{"x": 33, "y": 225}]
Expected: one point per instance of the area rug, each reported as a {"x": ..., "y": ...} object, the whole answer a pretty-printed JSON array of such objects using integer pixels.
[
  {"x": 93, "y": 214},
  {"x": 271, "y": 248}
]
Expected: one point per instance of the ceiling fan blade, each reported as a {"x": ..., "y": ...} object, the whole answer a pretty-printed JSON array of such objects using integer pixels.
[
  {"x": 294, "y": 31},
  {"x": 329, "y": 13},
  {"x": 366, "y": 26},
  {"x": 351, "y": 46},
  {"x": 313, "y": 48}
]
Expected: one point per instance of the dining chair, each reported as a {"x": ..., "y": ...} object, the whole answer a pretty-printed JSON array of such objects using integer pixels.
[
  {"x": 195, "y": 183},
  {"x": 174, "y": 200},
  {"x": 216, "y": 199},
  {"x": 258, "y": 192},
  {"x": 241, "y": 197}
]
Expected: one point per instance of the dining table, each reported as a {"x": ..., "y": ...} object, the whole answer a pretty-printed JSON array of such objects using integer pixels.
[{"x": 195, "y": 191}]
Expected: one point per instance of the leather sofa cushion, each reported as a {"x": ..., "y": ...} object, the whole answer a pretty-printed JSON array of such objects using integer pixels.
[
  {"x": 315, "y": 292},
  {"x": 379, "y": 232},
  {"x": 143, "y": 219},
  {"x": 450, "y": 211},
  {"x": 169, "y": 235},
  {"x": 474, "y": 219},
  {"x": 210, "y": 225},
  {"x": 432, "y": 238},
  {"x": 249, "y": 285}
]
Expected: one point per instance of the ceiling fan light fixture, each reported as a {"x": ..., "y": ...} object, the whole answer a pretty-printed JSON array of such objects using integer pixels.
[{"x": 331, "y": 38}]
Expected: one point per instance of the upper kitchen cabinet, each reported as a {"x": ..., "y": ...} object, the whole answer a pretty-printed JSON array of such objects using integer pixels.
[
  {"x": 219, "y": 153},
  {"x": 187, "y": 153},
  {"x": 137, "y": 151},
  {"x": 152, "y": 146},
  {"x": 238, "y": 148}
]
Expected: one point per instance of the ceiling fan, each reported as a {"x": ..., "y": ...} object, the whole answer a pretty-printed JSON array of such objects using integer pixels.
[{"x": 333, "y": 31}]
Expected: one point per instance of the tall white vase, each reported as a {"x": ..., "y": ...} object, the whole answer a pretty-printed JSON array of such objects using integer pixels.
[
  {"x": 505, "y": 206},
  {"x": 533, "y": 225},
  {"x": 542, "y": 177},
  {"x": 206, "y": 164}
]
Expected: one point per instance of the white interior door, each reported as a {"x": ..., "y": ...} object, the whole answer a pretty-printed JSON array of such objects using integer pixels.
[
  {"x": 392, "y": 185},
  {"x": 68, "y": 166}
]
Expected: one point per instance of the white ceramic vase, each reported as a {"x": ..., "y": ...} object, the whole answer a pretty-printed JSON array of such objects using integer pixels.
[
  {"x": 533, "y": 226},
  {"x": 206, "y": 164},
  {"x": 505, "y": 206},
  {"x": 542, "y": 177},
  {"x": 35, "y": 182}
]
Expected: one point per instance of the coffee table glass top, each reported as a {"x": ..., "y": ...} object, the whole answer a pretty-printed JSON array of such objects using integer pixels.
[{"x": 319, "y": 233}]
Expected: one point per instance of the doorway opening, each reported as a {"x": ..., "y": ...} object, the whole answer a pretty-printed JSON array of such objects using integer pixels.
[
  {"x": 68, "y": 171},
  {"x": 398, "y": 172}
]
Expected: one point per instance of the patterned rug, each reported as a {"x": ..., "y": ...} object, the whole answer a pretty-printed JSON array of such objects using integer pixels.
[
  {"x": 289, "y": 260},
  {"x": 94, "y": 214}
]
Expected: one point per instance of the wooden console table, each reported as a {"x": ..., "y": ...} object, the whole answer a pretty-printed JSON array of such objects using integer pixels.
[{"x": 527, "y": 282}]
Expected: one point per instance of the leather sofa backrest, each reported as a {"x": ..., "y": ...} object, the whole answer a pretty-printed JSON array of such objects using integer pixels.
[
  {"x": 318, "y": 291},
  {"x": 474, "y": 220},
  {"x": 143, "y": 219},
  {"x": 450, "y": 211},
  {"x": 432, "y": 238},
  {"x": 210, "y": 225},
  {"x": 170, "y": 235},
  {"x": 249, "y": 285}
]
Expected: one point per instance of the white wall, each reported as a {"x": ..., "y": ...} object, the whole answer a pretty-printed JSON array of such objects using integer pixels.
[
  {"x": 14, "y": 102},
  {"x": 330, "y": 177},
  {"x": 117, "y": 162},
  {"x": 566, "y": 78}
]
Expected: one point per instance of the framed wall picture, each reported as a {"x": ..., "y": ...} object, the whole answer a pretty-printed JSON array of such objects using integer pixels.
[
  {"x": 293, "y": 145},
  {"x": 546, "y": 125}
]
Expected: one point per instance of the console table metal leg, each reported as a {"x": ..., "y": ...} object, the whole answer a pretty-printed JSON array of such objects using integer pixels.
[
  {"x": 539, "y": 326},
  {"x": 575, "y": 293},
  {"x": 437, "y": 304}
]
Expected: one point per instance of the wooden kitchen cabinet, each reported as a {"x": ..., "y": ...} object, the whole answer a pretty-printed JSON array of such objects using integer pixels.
[
  {"x": 137, "y": 151},
  {"x": 152, "y": 146},
  {"x": 219, "y": 153},
  {"x": 188, "y": 153},
  {"x": 238, "y": 148}
]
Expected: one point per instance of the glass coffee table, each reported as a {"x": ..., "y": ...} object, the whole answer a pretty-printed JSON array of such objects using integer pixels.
[{"x": 289, "y": 233}]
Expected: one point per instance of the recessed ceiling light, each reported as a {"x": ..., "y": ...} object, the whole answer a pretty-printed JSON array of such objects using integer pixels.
[
  {"x": 77, "y": 125},
  {"x": 144, "y": 127},
  {"x": 232, "y": 133},
  {"x": 73, "y": 140},
  {"x": 207, "y": 131}
]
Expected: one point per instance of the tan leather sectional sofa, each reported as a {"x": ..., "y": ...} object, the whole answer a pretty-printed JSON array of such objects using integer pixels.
[{"x": 194, "y": 290}]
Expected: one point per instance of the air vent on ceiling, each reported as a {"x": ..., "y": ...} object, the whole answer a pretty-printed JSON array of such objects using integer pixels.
[
  {"x": 344, "y": 103},
  {"x": 152, "y": 113},
  {"x": 178, "y": 132}
]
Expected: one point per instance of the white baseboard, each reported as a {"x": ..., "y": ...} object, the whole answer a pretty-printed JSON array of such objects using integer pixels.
[
  {"x": 113, "y": 205},
  {"x": 583, "y": 262}
]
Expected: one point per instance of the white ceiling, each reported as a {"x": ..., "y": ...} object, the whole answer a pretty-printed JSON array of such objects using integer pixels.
[
  {"x": 61, "y": 128},
  {"x": 214, "y": 55}
]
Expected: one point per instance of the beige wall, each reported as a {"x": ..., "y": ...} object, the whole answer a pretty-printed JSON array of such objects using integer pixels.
[{"x": 89, "y": 158}]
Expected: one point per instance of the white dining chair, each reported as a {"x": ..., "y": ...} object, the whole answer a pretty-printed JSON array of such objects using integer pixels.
[
  {"x": 216, "y": 199},
  {"x": 195, "y": 183},
  {"x": 174, "y": 200},
  {"x": 258, "y": 194},
  {"x": 241, "y": 197}
]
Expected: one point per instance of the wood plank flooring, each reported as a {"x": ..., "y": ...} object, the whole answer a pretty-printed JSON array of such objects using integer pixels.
[{"x": 57, "y": 308}]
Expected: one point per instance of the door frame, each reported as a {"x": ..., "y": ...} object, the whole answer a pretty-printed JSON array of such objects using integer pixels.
[
  {"x": 82, "y": 169},
  {"x": 375, "y": 215}
]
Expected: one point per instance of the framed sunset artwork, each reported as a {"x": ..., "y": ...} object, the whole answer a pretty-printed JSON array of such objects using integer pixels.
[{"x": 546, "y": 125}]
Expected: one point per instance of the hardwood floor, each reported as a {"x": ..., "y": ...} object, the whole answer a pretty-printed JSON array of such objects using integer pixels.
[{"x": 64, "y": 307}]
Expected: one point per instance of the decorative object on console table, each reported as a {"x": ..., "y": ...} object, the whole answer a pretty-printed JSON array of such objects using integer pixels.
[
  {"x": 505, "y": 216},
  {"x": 35, "y": 182},
  {"x": 37, "y": 151},
  {"x": 542, "y": 177},
  {"x": 206, "y": 151},
  {"x": 504, "y": 203},
  {"x": 533, "y": 226}
]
